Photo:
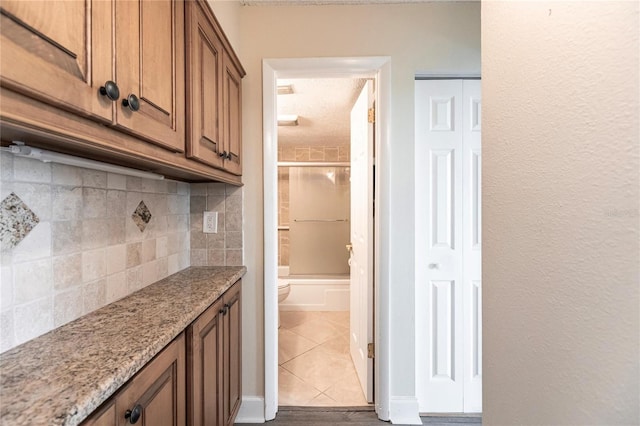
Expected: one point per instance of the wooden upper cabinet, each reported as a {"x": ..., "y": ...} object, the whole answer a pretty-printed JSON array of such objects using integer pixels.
[
  {"x": 214, "y": 79},
  {"x": 232, "y": 127},
  {"x": 204, "y": 88},
  {"x": 59, "y": 52},
  {"x": 150, "y": 67}
]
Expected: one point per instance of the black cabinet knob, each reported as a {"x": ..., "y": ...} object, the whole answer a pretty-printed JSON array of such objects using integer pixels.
[
  {"x": 229, "y": 155},
  {"x": 132, "y": 102},
  {"x": 110, "y": 90},
  {"x": 134, "y": 414},
  {"x": 223, "y": 154},
  {"x": 224, "y": 309}
]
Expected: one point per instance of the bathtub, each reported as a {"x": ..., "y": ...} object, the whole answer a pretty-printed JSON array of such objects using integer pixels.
[{"x": 314, "y": 292}]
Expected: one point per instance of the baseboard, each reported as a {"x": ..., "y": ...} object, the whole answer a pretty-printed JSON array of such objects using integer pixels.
[
  {"x": 404, "y": 410},
  {"x": 251, "y": 410}
]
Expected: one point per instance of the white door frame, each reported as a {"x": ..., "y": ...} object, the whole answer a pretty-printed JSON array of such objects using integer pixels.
[{"x": 355, "y": 67}]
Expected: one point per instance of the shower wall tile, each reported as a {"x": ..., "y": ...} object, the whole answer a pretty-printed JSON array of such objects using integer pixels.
[
  {"x": 299, "y": 153},
  {"x": 331, "y": 154},
  {"x": 302, "y": 153},
  {"x": 84, "y": 250}
]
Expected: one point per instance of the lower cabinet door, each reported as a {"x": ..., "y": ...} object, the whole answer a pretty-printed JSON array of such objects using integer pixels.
[
  {"x": 232, "y": 324},
  {"x": 156, "y": 395},
  {"x": 204, "y": 368}
]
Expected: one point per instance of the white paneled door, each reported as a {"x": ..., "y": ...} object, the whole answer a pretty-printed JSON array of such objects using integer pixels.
[
  {"x": 361, "y": 246},
  {"x": 448, "y": 246}
]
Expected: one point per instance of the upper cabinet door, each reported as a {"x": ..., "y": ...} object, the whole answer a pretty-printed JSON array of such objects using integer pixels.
[
  {"x": 204, "y": 88},
  {"x": 232, "y": 127},
  {"x": 150, "y": 70},
  {"x": 59, "y": 52}
]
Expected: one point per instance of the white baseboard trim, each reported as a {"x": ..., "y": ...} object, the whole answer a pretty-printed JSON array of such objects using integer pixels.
[
  {"x": 251, "y": 410},
  {"x": 404, "y": 410}
]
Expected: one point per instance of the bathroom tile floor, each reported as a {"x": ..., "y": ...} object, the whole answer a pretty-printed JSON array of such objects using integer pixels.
[{"x": 315, "y": 368}]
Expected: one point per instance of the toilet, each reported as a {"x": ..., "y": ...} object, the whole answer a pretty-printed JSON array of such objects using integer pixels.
[{"x": 283, "y": 291}]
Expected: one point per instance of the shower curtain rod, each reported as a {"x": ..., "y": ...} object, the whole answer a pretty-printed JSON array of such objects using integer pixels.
[{"x": 313, "y": 164}]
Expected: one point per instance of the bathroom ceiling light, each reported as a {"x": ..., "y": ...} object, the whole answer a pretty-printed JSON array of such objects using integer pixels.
[
  {"x": 287, "y": 120},
  {"x": 285, "y": 89},
  {"x": 22, "y": 150}
]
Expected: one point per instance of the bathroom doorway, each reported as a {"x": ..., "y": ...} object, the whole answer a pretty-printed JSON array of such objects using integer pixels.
[
  {"x": 376, "y": 69},
  {"x": 315, "y": 218}
]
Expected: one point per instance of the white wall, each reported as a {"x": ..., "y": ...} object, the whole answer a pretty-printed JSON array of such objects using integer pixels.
[
  {"x": 560, "y": 210},
  {"x": 419, "y": 37},
  {"x": 228, "y": 15}
]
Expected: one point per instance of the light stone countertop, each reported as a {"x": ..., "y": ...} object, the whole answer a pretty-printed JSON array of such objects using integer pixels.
[{"x": 61, "y": 377}]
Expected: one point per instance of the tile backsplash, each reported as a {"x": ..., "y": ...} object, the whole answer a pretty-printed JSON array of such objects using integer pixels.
[
  {"x": 88, "y": 238},
  {"x": 223, "y": 248}
]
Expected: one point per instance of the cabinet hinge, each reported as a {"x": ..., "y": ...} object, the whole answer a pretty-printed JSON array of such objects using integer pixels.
[
  {"x": 371, "y": 350},
  {"x": 372, "y": 115}
]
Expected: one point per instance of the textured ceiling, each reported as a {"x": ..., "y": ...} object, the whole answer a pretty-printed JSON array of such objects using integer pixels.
[{"x": 323, "y": 107}]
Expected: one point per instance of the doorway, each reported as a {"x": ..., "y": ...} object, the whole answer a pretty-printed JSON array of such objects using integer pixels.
[
  {"x": 325, "y": 241},
  {"x": 369, "y": 68}
]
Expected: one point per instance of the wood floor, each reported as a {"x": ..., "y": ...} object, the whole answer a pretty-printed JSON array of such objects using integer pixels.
[{"x": 319, "y": 416}]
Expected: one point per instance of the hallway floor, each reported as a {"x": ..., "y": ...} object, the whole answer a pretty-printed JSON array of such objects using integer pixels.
[
  {"x": 314, "y": 365},
  {"x": 317, "y": 416}
]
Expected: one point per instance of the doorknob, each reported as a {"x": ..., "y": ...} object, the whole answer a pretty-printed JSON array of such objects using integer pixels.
[{"x": 434, "y": 265}]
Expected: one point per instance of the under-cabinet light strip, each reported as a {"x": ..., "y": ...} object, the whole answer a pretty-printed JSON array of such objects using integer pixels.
[{"x": 21, "y": 150}]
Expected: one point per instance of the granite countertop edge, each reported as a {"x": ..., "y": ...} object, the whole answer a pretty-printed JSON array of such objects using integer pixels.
[{"x": 62, "y": 376}]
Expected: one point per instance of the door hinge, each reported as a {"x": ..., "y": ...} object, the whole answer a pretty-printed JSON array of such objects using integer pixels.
[
  {"x": 372, "y": 115},
  {"x": 371, "y": 350}
]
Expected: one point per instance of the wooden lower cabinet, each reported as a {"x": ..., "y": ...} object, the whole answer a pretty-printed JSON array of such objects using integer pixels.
[
  {"x": 213, "y": 363},
  {"x": 194, "y": 381},
  {"x": 231, "y": 337},
  {"x": 156, "y": 396}
]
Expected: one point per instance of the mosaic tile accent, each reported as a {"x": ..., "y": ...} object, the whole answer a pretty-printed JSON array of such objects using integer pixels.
[
  {"x": 16, "y": 221},
  {"x": 141, "y": 216}
]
